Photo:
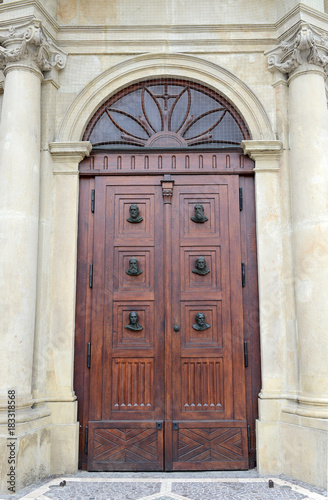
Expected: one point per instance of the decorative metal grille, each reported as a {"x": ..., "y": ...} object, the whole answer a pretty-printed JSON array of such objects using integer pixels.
[{"x": 166, "y": 114}]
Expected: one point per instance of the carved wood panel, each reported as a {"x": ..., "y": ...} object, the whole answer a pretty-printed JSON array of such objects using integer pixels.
[
  {"x": 193, "y": 279},
  {"x": 211, "y": 204},
  {"x": 230, "y": 162},
  {"x": 214, "y": 447},
  {"x": 209, "y": 337},
  {"x": 127, "y": 327},
  {"x": 202, "y": 382},
  {"x": 125, "y": 446},
  {"x": 133, "y": 384},
  {"x": 127, "y": 338},
  {"x": 121, "y": 215},
  {"x": 142, "y": 277},
  {"x": 207, "y": 352},
  {"x": 165, "y": 257}
]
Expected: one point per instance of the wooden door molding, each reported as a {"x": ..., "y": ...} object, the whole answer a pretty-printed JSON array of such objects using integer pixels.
[
  {"x": 165, "y": 162},
  {"x": 119, "y": 435}
]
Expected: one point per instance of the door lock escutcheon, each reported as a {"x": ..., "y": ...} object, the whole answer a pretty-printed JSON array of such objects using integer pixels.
[{"x": 176, "y": 328}]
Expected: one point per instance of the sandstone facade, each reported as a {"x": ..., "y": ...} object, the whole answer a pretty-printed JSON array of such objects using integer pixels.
[{"x": 61, "y": 59}]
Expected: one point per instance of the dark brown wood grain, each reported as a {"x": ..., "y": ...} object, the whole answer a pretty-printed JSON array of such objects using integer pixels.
[
  {"x": 251, "y": 307},
  {"x": 192, "y": 379},
  {"x": 83, "y": 310}
]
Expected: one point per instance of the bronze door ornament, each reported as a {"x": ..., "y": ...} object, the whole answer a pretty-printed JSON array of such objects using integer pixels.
[
  {"x": 199, "y": 214},
  {"x": 200, "y": 322},
  {"x": 134, "y": 269},
  {"x": 133, "y": 322},
  {"x": 201, "y": 267},
  {"x": 134, "y": 214}
]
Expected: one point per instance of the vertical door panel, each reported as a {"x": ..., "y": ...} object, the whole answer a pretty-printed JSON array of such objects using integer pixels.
[
  {"x": 126, "y": 399},
  {"x": 209, "y": 429},
  {"x": 173, "y": 377}
]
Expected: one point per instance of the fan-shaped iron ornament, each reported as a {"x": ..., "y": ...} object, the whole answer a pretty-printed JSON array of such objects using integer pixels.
[{"x": 166, "y": 114}]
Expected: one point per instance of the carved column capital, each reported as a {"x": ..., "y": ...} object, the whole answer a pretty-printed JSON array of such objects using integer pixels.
[
  {"x": 308, "y": 45},
  {"x": 28, "y": 45}
]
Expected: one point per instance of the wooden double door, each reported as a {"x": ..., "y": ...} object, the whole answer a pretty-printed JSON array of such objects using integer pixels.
[{"x": 166, "y": 362}]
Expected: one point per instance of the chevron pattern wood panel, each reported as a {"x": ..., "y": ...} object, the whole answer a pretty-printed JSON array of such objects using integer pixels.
[
  {"x": 125, "y": 445},
  {"x": 211, "y": 445}
]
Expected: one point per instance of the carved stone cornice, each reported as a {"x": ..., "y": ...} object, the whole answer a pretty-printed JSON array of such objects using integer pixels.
[
  {"x": 263, "y": 150},
  {"x": 28, "y": 45},
  {"x": 308, "y": 45},
  {"x": 69, "y": 152}
]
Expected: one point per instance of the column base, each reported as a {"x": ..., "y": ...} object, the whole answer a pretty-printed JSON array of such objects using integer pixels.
[
  {"x": 26, "y": 455},
  {"x": 289, "y": 443},
  {"x": 304, "y": 442},
  {"x": 268, "y": 435},
  {"x": 64, "y": 437}
]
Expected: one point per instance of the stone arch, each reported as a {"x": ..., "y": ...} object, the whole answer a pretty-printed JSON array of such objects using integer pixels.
[{"x": 184, "y": 66}]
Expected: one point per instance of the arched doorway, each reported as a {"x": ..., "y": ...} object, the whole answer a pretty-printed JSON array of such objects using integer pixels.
[{"x": 167, "y": 343}]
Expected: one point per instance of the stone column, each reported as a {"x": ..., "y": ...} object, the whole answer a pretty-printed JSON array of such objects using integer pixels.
[
  {"x": 304, "y": 57},
  {"x": 25, "y": 53},
  {"x": 271, "y": 299}
]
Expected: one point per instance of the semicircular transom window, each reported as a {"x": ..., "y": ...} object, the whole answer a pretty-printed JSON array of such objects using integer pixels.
[{"x": 166, "y": 114}]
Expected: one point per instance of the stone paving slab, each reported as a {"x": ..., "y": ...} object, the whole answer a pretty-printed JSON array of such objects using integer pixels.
[{"x": 242, "y": 485}]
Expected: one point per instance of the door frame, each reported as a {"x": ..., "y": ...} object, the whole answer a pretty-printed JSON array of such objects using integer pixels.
[{"x": 89, "y": 169}]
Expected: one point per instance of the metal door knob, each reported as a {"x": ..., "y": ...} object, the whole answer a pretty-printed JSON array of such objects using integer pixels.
[{"x": 176, "y": 328}]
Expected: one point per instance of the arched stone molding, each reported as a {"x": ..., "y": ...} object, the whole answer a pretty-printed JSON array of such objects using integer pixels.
[{"x": 165, "y": 65}]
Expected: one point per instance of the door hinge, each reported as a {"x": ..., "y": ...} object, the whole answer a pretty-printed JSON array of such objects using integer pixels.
[
  {"x": 245, "y": 354},
  {"x": 93, "y": 199},
  {"x": 240, "y": 199},
  {"x": 243, "y": 275},
  {"x": 89, "y": 355},
  {"x": 175, "y": 426},
  {"x": 90, "y": 275},
  {"x": 86, "y": 440},
  {"x": 249, "y": 438}
]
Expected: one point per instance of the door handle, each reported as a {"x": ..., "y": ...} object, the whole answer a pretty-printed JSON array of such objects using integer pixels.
[{"x": 176, "y": 328}]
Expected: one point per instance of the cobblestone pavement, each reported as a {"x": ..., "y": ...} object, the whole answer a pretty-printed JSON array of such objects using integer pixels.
[{"x": 247, "y": 485}]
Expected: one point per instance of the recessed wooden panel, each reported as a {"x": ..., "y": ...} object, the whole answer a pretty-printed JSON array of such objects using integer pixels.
[
  {"x": 191, "y": 281},
  {"x": 125, "y": 446},
  {"x": 210, "y": 202},
  {"x": 142, "y": 229},
  {"x": 133, "y": 384},
  {"x": 202, "y": 383},
  {"x": 123, "y": 337},
  {"x": 212, "y": 336},
  {"x": 209, "y": 446},
  {"x": 124, "y": 281}
]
